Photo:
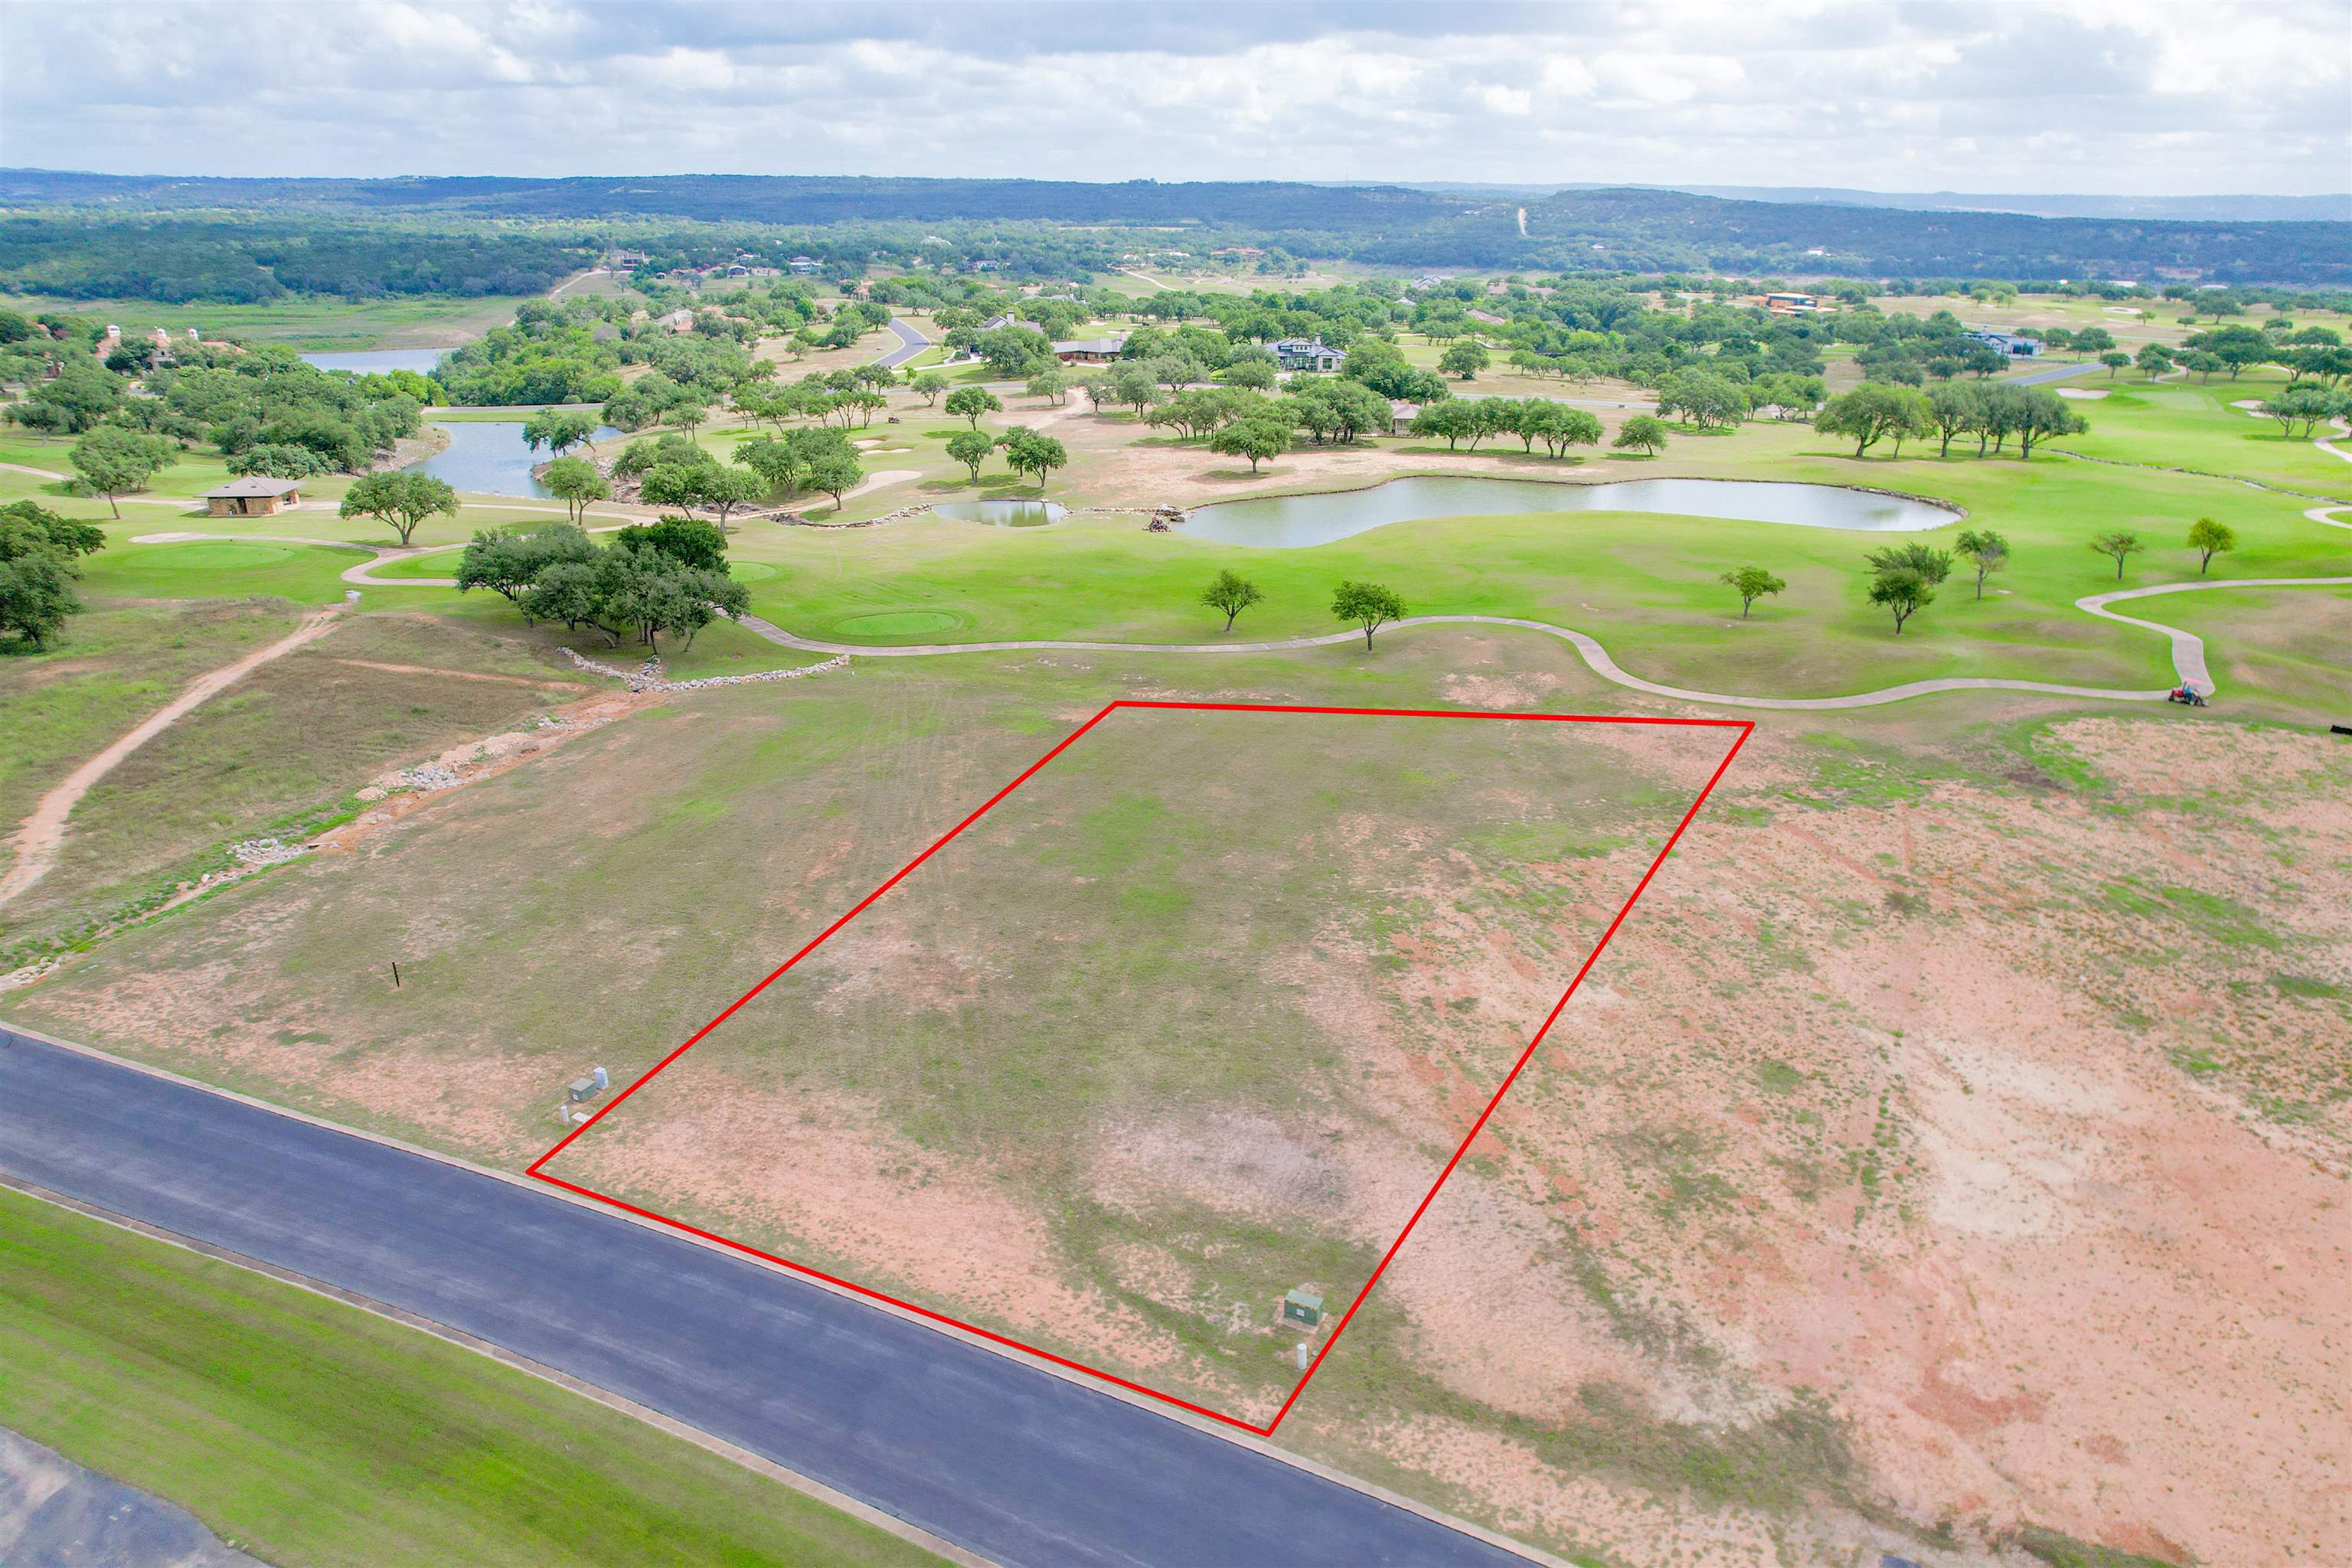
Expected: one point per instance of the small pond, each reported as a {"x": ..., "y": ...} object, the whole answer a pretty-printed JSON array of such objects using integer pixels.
[
  {"x": 379, "y": 362},
  {"x": 1004, "y": 513},
  {"x": 487, "y": 456},
  {"x": 1292, "y": 522}
]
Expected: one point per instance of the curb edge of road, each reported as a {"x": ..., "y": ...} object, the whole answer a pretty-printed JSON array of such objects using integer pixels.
[
  {"x": 897, "y": 1526},
  {"x": 808, "y": 1485}
]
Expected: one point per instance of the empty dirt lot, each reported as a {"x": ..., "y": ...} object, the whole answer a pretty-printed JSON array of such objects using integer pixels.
[{"x": 1954, "y": 1144}]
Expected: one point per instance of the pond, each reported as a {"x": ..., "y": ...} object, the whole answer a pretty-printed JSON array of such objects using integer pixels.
[
  {"x": 379, "y": 362},
  {"x": 1293, "y": 522},
  {"x": 487, "y": 456},
  {"x": 1004, "y": 513}
]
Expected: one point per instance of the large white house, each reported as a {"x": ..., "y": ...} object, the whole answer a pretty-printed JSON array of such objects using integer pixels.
[{"x": 1307, "y": 354}]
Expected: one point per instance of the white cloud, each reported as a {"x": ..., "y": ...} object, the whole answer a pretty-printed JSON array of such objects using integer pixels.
[{"x": 2023, "y": 95}]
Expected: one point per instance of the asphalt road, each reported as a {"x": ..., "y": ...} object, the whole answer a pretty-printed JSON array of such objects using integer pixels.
[
  {"x": 910, "y": 343},
  {"x": 986, "y": 1452},
  {"x": 2052, "y": 372}
]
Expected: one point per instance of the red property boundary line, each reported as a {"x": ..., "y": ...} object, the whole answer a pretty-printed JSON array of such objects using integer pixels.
[{"x": 1745, "y": 728}]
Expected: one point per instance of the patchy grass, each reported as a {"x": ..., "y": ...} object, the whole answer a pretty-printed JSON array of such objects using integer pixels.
[
  {"x": 2062, "y": 1551},
  {"x": 275, "y": 754},
  {"x": 112, "y": 665}
]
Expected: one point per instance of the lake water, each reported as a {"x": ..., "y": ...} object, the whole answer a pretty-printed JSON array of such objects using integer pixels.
[
  {"x": 487, "y": 456},
  {"x": 1292, "y": 522},
  {"x": 378, "y": 362},
  {"x": 1004, "y": 513}
]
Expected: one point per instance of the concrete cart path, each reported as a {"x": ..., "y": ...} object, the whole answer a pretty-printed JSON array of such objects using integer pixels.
[{"x": 2187, "y": 650}]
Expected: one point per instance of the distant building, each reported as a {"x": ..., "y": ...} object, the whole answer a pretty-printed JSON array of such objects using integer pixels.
[
  {"x": 1792, "y": 304},
  {"x": 2007, "y": 343},
  {"x": 1307, "y": 354},
  {"x": 802, "y": 265},
  {"x": 678, "y": 321},
  {"x": 1088, "y": 351},
  {"x": 253, "y": 497},
  {"x": 1401, "y": 417},
  {"x": 1487, "y": 316}
]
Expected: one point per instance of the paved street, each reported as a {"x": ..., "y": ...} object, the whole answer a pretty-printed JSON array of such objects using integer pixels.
[
  {"x": 1006, "y": 1461},
  {"x": 910, "y": 343},
  {"x": 2052, "y": 372}
]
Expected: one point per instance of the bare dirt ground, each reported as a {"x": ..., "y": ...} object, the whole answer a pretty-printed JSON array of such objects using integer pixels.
[
  {"x": 1304, "y": 1082},
  {"x": 2013, "y": 1126},
  {"x": 1954, "y": 1144}
]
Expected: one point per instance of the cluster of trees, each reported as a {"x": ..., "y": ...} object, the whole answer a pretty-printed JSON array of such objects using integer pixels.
[
  {"x": 1026, "y": 451},
  {"x": 852, "y": 395},
  {"x": 265, "y": 411},
  {"x": 91, "y": 256},
  {"x": 572, "y": 351},
  {"x": 258, "y": 407},
  {"x": 40, "y": 557},
  {"x": 1992, "y": 412},
  {"x": 666, "y": 578},
  {"x": 672, "y": 471},
  {"x": 1241, "y": 422},
  {"x": 2301, "y": 410},
  {"x": 1531, "y": 419},
  {"x": 551, "y": 353},
  {"x": 2318, "y": 353}
]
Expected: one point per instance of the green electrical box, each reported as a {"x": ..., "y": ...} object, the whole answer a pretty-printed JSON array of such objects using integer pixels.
[{"x": 1303, "y": 1306}]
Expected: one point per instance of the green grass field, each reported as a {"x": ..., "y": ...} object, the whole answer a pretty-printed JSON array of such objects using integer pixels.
[
  {"x": 2188, "y": 423},
  {"x": 307, "y": 1431},
  {"x": 312, "y": 325},
  {"x": 1645, "y": 586}
]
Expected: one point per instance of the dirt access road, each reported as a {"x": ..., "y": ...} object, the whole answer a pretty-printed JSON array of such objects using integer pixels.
[{"x": 37, "y": 841}]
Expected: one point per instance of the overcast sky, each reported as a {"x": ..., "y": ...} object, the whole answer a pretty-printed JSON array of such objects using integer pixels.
[{"x": 2128, "y": 97}]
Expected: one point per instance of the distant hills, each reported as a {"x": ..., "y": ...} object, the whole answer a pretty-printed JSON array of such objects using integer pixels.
[
  {"x": 1798, "y": 232},
  {"x": 2332, "y": 208}
]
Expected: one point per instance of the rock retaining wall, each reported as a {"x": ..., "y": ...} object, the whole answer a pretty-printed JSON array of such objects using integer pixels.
[{"x": 647, "y": 677}]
